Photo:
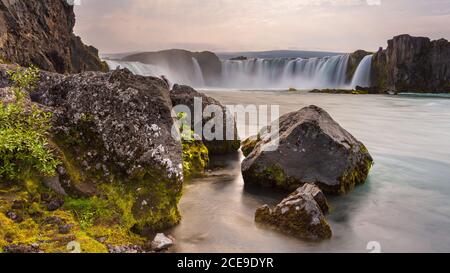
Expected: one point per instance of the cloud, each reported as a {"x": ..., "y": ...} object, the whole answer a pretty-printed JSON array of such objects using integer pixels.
[{"x": 227, "y": 25}]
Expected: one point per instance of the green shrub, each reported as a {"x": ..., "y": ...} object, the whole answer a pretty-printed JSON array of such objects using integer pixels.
[{"x": 23, "y": 132}]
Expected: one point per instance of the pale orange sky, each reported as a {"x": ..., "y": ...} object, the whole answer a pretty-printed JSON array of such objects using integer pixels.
[{"x": 244, "y": 25}]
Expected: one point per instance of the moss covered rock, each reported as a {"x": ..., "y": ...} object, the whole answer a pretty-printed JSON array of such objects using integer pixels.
[
  {"x": 115, "y": 129},
  {"x": 195, "y": 158},
  {"x": 249, "y": 145},
  {"x": 28, "y": 225},
  {"x": 312, "y": 149},
  {"x": 299, "y": 215}
]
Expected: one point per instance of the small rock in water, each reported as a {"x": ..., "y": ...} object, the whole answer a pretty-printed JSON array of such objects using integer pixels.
[
  {"x": 161, "y": 242},
  {"x": 299, "y": 215}
]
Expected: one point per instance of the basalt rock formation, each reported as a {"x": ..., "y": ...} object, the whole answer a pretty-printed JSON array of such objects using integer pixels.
[
  {"x": 412, "y": 64},
  {"x": 41, "y": 33},
  {"x": 312, "y": 148}
]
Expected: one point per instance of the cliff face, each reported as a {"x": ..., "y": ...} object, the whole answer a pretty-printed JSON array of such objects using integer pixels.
[
  {"x": 181, "y": 60},
  {"x": 354, "y": 60},
  {"x": 40, "y": 32},
  {"x": 413, "y": 64}
]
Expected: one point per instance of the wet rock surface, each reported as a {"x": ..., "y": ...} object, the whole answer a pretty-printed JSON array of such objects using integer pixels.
[{"x": 312, "y": 148}]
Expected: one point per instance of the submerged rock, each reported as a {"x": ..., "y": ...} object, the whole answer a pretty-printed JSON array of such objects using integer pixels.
[
  {"x": 161, "y": 242},
  {"x": 300, "y": 215},
  {"x": 185, "y": 95},
  {"x": 312, "y": 149}
]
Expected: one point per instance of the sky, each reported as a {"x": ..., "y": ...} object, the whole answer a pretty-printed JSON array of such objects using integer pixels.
[{"x": 115, "y": 26}]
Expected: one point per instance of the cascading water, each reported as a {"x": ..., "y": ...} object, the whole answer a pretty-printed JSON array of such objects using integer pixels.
[
  {"x": 137, "y": 68},
  {"x": 274, "y": 73},
  {"x": 362, "y": 73},
  {"x": 193, "y": 76},
  {"x": 199, "y": 80},
  {"x": 328, "y": 72}
]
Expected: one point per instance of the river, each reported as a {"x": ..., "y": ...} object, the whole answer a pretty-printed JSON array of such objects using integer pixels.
[{"x": 404, "y": 205}]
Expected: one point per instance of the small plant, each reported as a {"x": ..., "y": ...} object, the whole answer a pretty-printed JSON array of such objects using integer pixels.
[
  {"x": 187, "y": 134},
  {"x": 24, "y": 80},
  {"x": 23, "y": 131}
]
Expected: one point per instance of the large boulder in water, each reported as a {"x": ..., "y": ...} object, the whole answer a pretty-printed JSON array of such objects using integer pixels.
[
  {"x": 115, "y": 130},
  {"x": 185, "y": 95},
  {"x": 301, "y": 214},
  {"x": 312, "y": 149}
]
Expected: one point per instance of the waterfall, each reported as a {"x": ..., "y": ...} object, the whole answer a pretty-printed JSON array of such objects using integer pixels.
[
  {"x": 362, "y": 73},
  {"x": 192, "y": 77},
  {"x": 283, "y": 73},
  {"x": 273, "y": 73},
  {"x": 199, "y": 81}
]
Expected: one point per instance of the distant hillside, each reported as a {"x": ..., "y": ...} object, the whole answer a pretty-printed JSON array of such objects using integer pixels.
[{"x": 276, "y": 54}]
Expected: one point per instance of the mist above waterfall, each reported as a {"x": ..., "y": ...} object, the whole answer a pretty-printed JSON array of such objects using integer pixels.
[{"x": 251, "y": 74}]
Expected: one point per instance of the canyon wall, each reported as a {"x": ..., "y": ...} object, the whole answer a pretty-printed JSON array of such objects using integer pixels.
[
  {"x": 40, "y": 32},
  {"x": 412, "y": 64}
]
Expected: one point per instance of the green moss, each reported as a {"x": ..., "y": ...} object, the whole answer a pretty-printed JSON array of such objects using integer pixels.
[
  {"x": 354, "y": 177},
  {"x": 195, "y": 158},
  {"x": 249, "y": 145}
]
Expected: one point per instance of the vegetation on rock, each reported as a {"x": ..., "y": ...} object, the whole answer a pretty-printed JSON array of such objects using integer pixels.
[{"x": 23, "y": 131}]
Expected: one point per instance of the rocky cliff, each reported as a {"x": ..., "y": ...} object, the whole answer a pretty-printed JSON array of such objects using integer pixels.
[
  {"x": 412, "y": 64},
  {"x": 354, "y": 60},
  {"x": 41, "y": 33}
]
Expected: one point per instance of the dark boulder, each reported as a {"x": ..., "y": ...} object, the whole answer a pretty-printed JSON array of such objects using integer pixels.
[
  {"x": 185, "y": 95},
  {"x": 116, "y": 129},
  {"x": 300, "y": 215},
  {"x": 312, "y": 149}
]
